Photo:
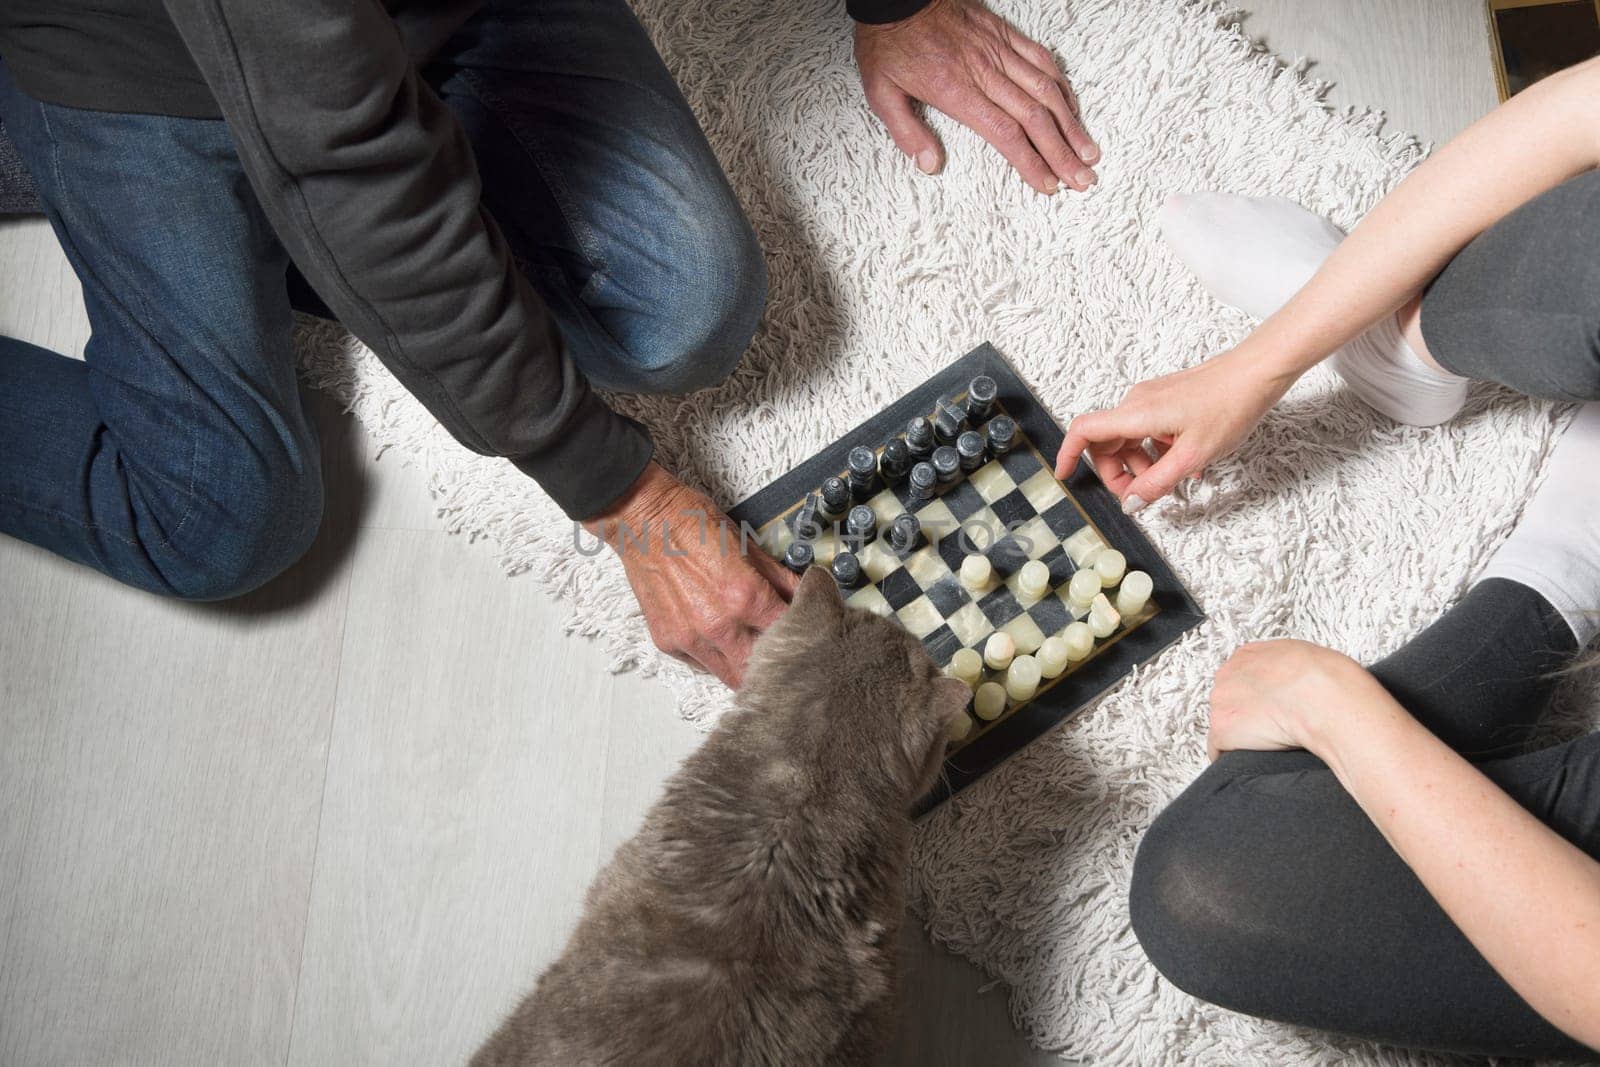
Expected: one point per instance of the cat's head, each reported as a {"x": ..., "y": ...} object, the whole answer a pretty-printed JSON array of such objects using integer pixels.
[{"x": 858, "y": 689}]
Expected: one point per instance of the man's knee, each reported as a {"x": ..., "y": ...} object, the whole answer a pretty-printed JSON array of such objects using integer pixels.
[
  {"x": 240, "y": 532},
  {"x": 706, "y": 301}
]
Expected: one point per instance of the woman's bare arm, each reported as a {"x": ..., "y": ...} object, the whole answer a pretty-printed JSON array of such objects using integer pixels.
[
  {"x": 1537, "y": 140},
  {"x": 1525, "y": 897}
]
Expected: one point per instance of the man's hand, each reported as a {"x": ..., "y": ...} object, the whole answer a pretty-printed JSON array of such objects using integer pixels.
[
  {"x": 704, "y": 602},
  {"x": 966, "y": 61}
]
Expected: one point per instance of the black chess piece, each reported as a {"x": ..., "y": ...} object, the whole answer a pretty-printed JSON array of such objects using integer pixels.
[
  {"x": 895, "y": 463},
  {"x": 905, "y": 534},
  {"x": 808, "y": 525},
  {"x": 1002, "y": 434},
  {"x": 798, "y": 556},
  {"x": 835, "y": 498},
  {"x": 863, "y": 473},
  {"x": 971, "y": 449},
  {"x": 861, "y": 526},
  {"x": 919, "y": 440},
  {"x": 847, "y": 571},
  {"x": 946, "y": 464},
  {"x": 949, "y": 420},
  {"x": 924, "y": 480},
  {"x": 981, "y": 394}
]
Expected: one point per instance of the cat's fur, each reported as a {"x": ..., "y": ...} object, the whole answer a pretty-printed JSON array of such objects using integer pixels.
[{"x": 754, "y": 919}]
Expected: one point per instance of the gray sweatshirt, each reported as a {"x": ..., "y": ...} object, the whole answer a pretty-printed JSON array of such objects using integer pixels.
[{"x": 371, "y": 186}]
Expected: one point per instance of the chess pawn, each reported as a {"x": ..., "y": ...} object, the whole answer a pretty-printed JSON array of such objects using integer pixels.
[
  {"x": 976, "y": 571},
  {"x": 949, "y": 419},
  {"x": 967, "y": 665},
  {"x": 1134, "y": 594},
  {"x": 895, "y": 463},
  {"x": 847, "y": 571},
  {"x": 924, "y": 481},
  {"x": 946, "y": 464},
  {"x": 798, "y": 556},
  {"x": 905, "y": 534},
  {"x": 1002, "y": 434},
  {"x": 1110, "y": 565},
  {"x": 1022, "y": 678},
  {"x": 863, "y": 473},
  {"x": 919, "y": 440},
  {"x": 861, "y": 526},
  {"x": 835, "y": 499},
  {"x": 1033, "y": 580},
  {"x": 990, "y": 701},
  {"x": 1079, "y": 640},
  {"x": 971, "y": 449},
  {"x": 981, "y": 393},
  {"x": 999, "y": 651},
  {"x": 960, "y": 728},
  {"x": 1082, "y": 589},
  {"x": 1082, "y": 545},
  {"x": 1052, "y": 656}
]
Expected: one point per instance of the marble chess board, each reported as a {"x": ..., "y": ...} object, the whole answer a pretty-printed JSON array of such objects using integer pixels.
[{"x": 996, "y": 619}]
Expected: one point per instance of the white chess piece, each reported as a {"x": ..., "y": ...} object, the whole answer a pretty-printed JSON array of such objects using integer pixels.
[
  {"x": 1134, "y": 594},
  {"x": 1022, "y": 679},
  {"x": 976, "y": 572},
  {"x": 999, "y": 651},
  {"x": 1033, "y": 580},
  {"x": 990, "y": 701},
  {"x": 1079, "y": 641},
  {"x": 1110, "y": 565},
  {"x": 966, "y": 665},
  {"x": 1103, "y": 618},
  {"x": 1053, "y": 656}
]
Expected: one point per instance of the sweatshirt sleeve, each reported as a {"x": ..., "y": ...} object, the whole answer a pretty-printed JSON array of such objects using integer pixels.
[
  {"x": 881, "y": 11},
  {"x": 371, "y": 185}
]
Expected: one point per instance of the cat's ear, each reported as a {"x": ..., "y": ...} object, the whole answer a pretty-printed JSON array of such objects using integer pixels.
[
  {"x": 926, "y": 734},
  {"x": 950, "y": 698},
  {"x": 816, "y": 602}
]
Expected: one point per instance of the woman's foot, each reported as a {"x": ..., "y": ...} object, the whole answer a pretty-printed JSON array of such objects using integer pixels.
[
  {"x": 1556, "y": 547},
  {"x": 1254, "y": 253}
]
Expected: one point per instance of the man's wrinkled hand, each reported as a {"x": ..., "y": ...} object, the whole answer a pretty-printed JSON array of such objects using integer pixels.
[
  {"x": 959, "y": 57},
  {"x": 704, "y": 601}
]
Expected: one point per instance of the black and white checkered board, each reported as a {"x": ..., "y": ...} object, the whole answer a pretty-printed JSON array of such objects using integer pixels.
[{"x": 1010, "y": 510}]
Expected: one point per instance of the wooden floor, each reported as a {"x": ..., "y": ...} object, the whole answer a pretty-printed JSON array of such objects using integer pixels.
[{"x": 347, "y": 819}]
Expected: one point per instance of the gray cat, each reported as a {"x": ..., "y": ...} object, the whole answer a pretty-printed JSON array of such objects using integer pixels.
[{"x": 754, "y": 919}]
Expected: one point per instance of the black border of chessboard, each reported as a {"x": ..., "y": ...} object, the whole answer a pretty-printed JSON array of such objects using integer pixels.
[{"x": 1178, "y": 612}]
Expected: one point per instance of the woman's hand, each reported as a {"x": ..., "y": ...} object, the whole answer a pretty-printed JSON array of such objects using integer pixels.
[
  {"x": 1277, "y": 695},
  {"x": 1191, "y": 418}
]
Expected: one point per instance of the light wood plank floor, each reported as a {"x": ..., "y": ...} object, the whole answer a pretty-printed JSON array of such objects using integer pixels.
[{"x": 347, "y": 819}]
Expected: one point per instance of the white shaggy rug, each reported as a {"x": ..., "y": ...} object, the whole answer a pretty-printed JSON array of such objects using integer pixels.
[{"x": 1330, "y": 525}]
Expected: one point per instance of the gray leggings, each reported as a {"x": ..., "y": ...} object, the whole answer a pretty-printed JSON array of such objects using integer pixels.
[
  {"x": 1521, "y": 304},
  {"x": 1263, "y": 888}
]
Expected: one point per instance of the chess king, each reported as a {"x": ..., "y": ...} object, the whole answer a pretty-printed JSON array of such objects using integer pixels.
[{"x": 508, "y": 200}]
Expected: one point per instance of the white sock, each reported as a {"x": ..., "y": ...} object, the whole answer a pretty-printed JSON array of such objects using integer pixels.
[
  {"x": 1555, "y": 549},
  {"x": 1254, "y": 253}
]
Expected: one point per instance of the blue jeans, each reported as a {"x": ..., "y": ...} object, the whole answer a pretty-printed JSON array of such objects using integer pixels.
[{"x": 176, "y": 456}]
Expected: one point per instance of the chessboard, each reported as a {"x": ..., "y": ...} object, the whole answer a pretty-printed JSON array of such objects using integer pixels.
[{"x": 943, "y": 513}]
